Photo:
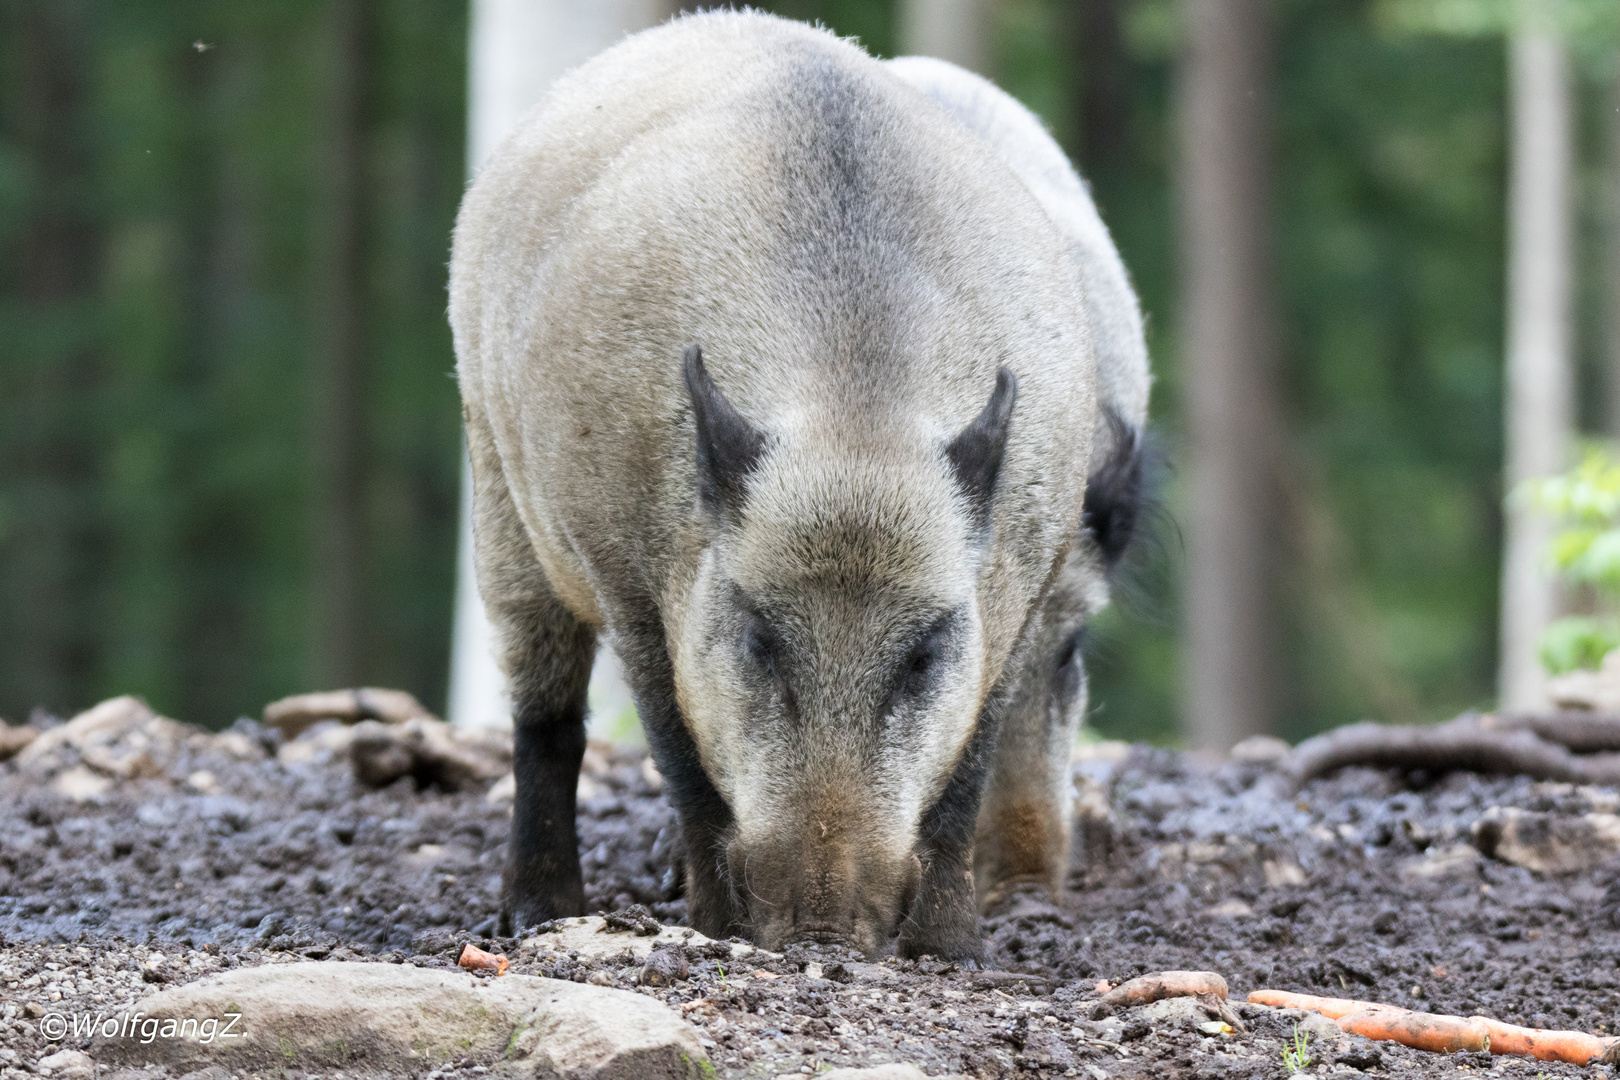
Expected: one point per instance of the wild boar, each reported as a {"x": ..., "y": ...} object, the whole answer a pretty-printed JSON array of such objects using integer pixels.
[
  {"x": 779, "y": 377},
  {"x": 1023, "y": 831}
]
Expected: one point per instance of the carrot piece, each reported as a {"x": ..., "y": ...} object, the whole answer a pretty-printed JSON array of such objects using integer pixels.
[
  {"x": 1166, "y": 984},
  {"x": 475, "y": 959},
  {"x": 1332, "y": 1008},
  {"x": 1434, "y": 1032},
  {"x": 1575, "y": 1047},
  {"x": 1422, "y": 1031}
]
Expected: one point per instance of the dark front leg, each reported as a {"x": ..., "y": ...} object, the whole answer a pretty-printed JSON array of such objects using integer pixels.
[
  {"x": 549, "y": 685},
  {"x": 944, "y": 919},
  {"x": 706, "y": 821},
  {"x": 543, "y": 878}
]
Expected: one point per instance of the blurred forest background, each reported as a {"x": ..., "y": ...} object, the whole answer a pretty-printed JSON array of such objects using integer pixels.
[{"x": 229, "y": 436}]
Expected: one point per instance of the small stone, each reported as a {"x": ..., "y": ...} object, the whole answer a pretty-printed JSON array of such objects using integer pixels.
[
  {"x": 591, "y": 1032},
  {"x": 81, "y": 785},
  {"x": 1260, "y": 750},
  {"x": 664, "y": 967},
  {"x": 13, "y": 738},
  {"x": 1546, "y": 843},
  {"x": 294, "y": 715},
  {"x": 67, "y": 1065},
  {"x": 587, "y": 938},
  {"x": 503, "y": 791}
]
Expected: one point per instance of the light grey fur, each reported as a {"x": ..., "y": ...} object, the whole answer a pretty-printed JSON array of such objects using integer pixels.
[
  {"x": 1024, "y": 823},
  {"x": 856, "y": 266}
]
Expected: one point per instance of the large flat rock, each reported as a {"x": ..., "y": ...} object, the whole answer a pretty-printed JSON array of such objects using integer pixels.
[{"x": 389, "y": 1017}]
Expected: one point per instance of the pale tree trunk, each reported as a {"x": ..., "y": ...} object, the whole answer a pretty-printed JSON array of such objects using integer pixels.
[
  {"x": 517, "y": 49},
  {"x": 954, "y": 30},
  {"x": 1228, "y": 357},
  {"x": 339, "y": 414},
  {"x": 1539, "y": 397}
]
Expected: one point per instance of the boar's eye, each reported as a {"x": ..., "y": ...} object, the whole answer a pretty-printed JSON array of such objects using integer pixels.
[
  {"x": 760, "y": 645},
  {"x": 1070, "y": 670},
  {"x": 919, "y": 669},
  {"x": 924, "y": 659}
]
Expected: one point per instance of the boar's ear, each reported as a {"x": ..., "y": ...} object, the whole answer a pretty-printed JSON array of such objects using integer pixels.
[
  {"x": 1114, "y": 493},
  {"x": 975, "y": 454},
  {"x": 728, "y": 446}
]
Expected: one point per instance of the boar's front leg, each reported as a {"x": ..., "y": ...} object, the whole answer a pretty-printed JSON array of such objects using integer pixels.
[
  {"x": 546, "y": 653},
  {"x": 548, "y": 681},
  {"x": 706, "y": 820},
  {"x": 944, "y": 919},
  {"x": 1023, "y": 836}
]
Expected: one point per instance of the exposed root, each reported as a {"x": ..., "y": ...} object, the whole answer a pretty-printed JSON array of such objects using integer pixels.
[
  {"x": 1582, "y": 732},
  {"x": 1531, "y": 746}
]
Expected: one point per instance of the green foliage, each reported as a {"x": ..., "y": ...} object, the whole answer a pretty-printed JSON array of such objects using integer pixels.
[
  {"x": 1583, "y": 21},
  {"x": 1577, "y": 642},
  {"x": 1586, "y": 550}
]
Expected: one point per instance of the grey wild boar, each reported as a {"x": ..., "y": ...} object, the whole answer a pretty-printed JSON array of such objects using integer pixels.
[{"x": 784, "y": 371}]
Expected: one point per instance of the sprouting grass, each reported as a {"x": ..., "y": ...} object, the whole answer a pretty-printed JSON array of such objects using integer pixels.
[{"x": 1294, "y": 1055}]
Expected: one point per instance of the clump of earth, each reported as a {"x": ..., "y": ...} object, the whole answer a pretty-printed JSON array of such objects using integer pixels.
[{"x": 163, "y": 853}]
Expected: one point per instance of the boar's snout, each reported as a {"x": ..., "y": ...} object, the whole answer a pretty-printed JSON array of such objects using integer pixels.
[{"x": 824, "y": 891}]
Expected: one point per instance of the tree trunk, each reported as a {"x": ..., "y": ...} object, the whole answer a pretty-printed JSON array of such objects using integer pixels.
[
  {"x": 1539, "y": 397},
  {"x": 954, "y": 30},
  {"x": 1103, "y": 89},
  {"x": 518, "y": 47},
  {"x": 339, "y": 414},
  {"x": 1612, "y": 254},
  {"x": 54, "y": 589},
  {"x": 1228, "y": 357}
]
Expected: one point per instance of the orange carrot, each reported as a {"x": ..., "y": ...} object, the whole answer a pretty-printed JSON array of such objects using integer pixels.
[
  {"x": 1439, "y": 1032},
  {"x": 1166, "y": 984},
  {"x": 1423, "y": 1031},
  {"x": 1332, "y": 1008},
  {"x": 1575, "y": 1047},
  {"x": 475, "y": 959}
]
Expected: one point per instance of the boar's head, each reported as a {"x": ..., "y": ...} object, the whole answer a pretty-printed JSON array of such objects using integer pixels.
[{"x": 829, "y": 657}]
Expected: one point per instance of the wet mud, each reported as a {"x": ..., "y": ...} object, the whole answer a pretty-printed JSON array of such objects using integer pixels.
[{"x": 1401, "y": 888}]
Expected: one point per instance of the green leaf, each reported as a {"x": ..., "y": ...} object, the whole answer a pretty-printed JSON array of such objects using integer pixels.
[
  {"x": 1599, "y": 563},
  {"x": 1578, "y": 642},
  {"x": 1569, "y": 545}
]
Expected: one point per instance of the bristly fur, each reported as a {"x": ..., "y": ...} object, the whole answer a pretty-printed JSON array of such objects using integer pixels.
[
  {"x": 1022, "y": 832},
  {"x": 823, "y": 665},
  {"x": 1114, "y": 492}
]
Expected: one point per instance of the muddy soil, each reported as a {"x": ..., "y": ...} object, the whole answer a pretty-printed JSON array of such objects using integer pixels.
[{"x": 231, "y": 850}]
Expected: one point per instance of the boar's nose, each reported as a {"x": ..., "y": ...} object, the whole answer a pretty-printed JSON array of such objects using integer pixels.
[{"x": 823, "y": 893}]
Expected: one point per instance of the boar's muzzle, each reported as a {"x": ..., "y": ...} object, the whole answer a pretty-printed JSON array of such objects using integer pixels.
[{"x": 826, "y": 889}]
